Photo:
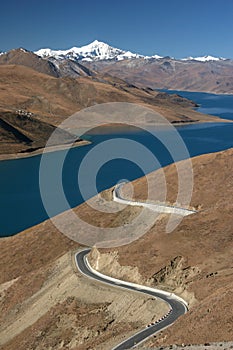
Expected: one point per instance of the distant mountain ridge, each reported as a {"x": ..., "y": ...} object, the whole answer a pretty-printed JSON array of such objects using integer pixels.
[
  {"x": 98, "y": 50},
  {"x": 52, "y": 66},
  {"x": 207, "y": 73},
  {"x": 203, "y": 73},
  {"x": 94, "y": 51},
  {"x": 206, "y": 58}
]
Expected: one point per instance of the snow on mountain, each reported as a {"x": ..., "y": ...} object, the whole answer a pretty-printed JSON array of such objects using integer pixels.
[
  {"x": 98, "y": 50},
  {"x": 50, "y": 53},
  {"x": 155, "y": 57},
  {"x": 19, "y": 49},
  {"x": 94, "y": 51},
  {"x": 203, "y": 58}
]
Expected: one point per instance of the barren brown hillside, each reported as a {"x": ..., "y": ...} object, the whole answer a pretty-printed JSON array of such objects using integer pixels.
[
  {"x": 196, "y": 259},
  {"x": 54, "y": 68},
  {"x": 45, "y": 303},
  {"x": 26, "y": 58},
  {"x": 51, "y": 100},
  {"x": 167, "y": 73},
  {"x": 42, "y": 297},
  {"x": 23, "y": 133}
]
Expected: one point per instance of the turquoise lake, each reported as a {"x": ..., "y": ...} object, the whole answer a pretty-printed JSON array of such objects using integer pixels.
[{"x": 21, "y": 204}]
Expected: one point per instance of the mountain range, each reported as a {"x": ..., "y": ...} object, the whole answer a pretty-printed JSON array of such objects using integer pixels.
[
  {"x": 45, "y": 302},
  {"x": 48, "y": 90},
  {"x": 97, "y": 51},
  {"x": 207, "y": 73}
]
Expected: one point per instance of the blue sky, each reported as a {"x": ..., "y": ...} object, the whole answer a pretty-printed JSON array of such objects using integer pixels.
[{"x": 176, "y": 28}]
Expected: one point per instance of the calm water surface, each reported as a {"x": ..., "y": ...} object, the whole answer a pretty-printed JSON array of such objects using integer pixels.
[{"x": 20, "y": 201}]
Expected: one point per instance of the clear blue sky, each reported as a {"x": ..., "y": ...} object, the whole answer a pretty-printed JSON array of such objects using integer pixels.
[{"x": 177, "y": 28}]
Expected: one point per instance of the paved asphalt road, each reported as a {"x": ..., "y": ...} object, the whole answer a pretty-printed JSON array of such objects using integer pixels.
[{"x": 178, "y": 308}]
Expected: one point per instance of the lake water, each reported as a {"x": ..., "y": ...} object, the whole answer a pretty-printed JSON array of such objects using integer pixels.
[
  {"x": 219, "y": 105},
  {"x": 20, "y": 200}
]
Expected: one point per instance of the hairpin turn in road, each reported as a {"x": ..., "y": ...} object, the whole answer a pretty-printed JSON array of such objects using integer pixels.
[{"x": 177, "y": 305}]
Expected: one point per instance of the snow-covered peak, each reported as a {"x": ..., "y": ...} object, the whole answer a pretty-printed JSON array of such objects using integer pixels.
[
  {"x": 94, "y": 51},
  {"x": 15, "y": 51},
  {"x": 98, "y": 50},
  {"x": 155, "y": 57},
  {"x": 23, "y": 50},
  {"x": 51, "y": 53},
  {"x": 206, "y": 58}
]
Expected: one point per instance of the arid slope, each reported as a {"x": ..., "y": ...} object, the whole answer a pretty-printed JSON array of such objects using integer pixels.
[
  {"x": 195, "y": 260},
  {"x": 57, "y": 307},
  {"x": 167, "y": 73},
  {"x": 32, "y": 84}
]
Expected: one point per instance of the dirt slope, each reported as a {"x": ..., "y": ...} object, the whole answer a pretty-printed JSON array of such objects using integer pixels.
[
  {"x": 46, "y": 303},
  {"x": 195, "y": 261},
  {"x": 28, "y": 59},
  {"x": 52, "y": 99},
  {"x": 173, "y": 74},
  {"x": 49, "y": 100},
  {"x": 22, "y": 132}
]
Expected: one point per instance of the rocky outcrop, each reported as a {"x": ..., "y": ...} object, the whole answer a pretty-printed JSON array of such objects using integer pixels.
[
  {"x": 173, "y": 277},
  {"x": 108, "y": 264},
  {"x": 176, "y": 276}
]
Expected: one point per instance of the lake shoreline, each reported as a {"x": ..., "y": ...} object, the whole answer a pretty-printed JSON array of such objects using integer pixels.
[
  {"x": 15, "y": 156},
  {"x": 105, "y": 129},
  {"x": 202, "y": 92}
]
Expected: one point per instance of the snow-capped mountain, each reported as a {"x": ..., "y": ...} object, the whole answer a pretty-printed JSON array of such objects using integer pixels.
[
  {"x": 98, "y": 60},
  {"x": 95, "y": 51},
  {"x": 99, "y": 51},
  {"x": 206, "y": 58}
]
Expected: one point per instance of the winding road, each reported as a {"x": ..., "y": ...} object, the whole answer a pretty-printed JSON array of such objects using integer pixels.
[
  {"x": 177, "y": 305},
  {"x": 157, "y": 207}
]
